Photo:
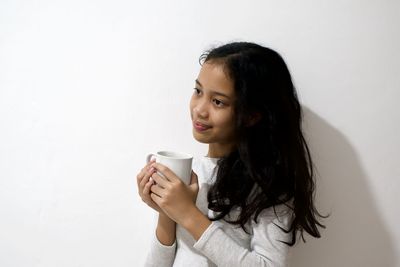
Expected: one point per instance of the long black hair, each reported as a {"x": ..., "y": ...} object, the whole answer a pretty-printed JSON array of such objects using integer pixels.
[{"x": 271, "y": 153}]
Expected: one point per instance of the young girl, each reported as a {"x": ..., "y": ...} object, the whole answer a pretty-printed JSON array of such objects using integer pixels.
[{"x": 251, "y": 197}]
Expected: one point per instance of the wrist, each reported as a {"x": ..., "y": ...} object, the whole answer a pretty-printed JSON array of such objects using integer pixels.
[
  {"x": 165, "y": 231},
  {"x": 164, "y": 220},
  {"x": 196, "y": 223}
]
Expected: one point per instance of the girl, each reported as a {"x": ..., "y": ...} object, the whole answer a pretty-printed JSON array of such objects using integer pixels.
[{"x": 251, "y": 197}]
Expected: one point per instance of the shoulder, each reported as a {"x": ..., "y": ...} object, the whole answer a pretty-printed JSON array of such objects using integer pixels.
[
  {"x": 204, "y": 161},
  {"x": 278, "y": 212},
  {"x": 205, "y": 168}
]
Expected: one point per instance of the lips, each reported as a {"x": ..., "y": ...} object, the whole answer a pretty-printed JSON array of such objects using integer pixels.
[{"x": 200, "y": 126}]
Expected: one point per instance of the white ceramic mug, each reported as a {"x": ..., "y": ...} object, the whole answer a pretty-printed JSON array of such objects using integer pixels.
[{"x": 179, "y": 163}]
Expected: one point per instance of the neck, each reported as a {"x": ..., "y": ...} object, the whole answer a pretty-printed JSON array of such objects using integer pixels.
[{"x": 219, "y": 150}]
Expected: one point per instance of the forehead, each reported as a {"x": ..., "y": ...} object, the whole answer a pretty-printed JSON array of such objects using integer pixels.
[{"x": 212, "y": 77}]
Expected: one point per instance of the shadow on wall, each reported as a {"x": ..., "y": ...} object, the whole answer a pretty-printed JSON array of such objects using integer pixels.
[{"x": 355, "y": 234}]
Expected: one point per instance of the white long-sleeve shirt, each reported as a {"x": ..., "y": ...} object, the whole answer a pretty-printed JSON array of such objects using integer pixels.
[{"x": 224, "y": 244}]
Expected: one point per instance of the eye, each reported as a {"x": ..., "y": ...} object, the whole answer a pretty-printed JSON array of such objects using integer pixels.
[
  {"x": 196, "y": 91},
  {"x": 218, "y": 103}
]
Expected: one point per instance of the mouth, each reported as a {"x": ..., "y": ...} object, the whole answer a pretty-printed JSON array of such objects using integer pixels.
[{"x": 201, "y": 127}]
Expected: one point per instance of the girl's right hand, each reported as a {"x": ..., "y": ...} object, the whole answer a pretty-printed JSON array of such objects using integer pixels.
[{"x": 144, "y": 183}]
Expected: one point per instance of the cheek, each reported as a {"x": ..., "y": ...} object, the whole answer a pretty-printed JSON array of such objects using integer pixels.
[
  {"x": 191, "y": 107},
  {"x": 226, "y": 121}
]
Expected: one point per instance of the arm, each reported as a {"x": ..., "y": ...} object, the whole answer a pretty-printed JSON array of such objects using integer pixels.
[
  {"x": 265, "y": 249},
  {"x": 163, "y": 245},
  {"x": 166, "y": 229},
  {"x": 177, "y": 201}
]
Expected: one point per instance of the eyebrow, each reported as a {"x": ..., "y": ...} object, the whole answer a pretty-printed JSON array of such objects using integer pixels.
[{"x": 214, "y": 92}]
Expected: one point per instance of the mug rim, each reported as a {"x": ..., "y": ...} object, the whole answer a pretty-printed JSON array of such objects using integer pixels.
[{"x": 176, "y": 155}]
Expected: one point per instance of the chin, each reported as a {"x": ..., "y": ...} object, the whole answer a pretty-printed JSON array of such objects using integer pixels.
[{"x": 200, "y": 138}]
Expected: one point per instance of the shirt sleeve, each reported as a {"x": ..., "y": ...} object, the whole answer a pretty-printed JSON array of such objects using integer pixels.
[
  {"x": 265, "y": 246},
  {"x": 160, "y": 255}
]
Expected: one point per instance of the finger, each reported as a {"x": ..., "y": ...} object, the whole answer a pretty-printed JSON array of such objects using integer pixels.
[
  {"x": 164, "y": 170},
  {"x": 194, "y": 179},
  {"x": 157, "y": 190},
  {"x": 150, "y": 162},
  {"x": 148, "y": 165},
  {"x": 147, "y": 176},
  {"x": 161, "y": 181},
  {"x": 156, "y": 198},
  {"x": 147, "y": 195},
  {"x": 139, "y": 176},
  {"x": 146, "y": 189},
  {"x": 143, "y": 171}
]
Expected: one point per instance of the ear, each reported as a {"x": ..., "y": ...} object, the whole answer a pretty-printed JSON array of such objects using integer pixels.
[{"x": 253, "y": 119}]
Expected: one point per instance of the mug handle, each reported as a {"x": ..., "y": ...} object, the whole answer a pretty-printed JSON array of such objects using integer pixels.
[{"x": 148, "y": 158}]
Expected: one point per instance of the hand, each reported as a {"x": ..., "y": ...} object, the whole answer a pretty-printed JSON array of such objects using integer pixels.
[
  {"x": 172, "y": 195},
  {"x": 144, "y": 182}
]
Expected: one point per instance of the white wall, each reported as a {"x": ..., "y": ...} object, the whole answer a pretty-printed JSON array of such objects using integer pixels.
[{"x": 87, "y": 88}]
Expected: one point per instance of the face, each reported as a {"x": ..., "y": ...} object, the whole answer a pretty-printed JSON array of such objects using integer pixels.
[{"x": 212, "y": 107}]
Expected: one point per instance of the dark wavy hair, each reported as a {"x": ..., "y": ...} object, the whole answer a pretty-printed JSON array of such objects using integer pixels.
[{"x": 271, "y": 153}]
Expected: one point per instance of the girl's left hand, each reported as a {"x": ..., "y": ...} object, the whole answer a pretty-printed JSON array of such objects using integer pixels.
[{"x": 172, "y": 195}]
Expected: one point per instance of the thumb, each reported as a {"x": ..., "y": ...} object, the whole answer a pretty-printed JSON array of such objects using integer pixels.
[{"x": 194, "y": 179}]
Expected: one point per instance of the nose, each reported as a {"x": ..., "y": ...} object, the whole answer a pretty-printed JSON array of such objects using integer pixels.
[{"x": 201, "y": 109}]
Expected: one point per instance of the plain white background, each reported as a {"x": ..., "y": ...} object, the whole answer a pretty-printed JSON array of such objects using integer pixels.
[{"x": 88, "y": 88}]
